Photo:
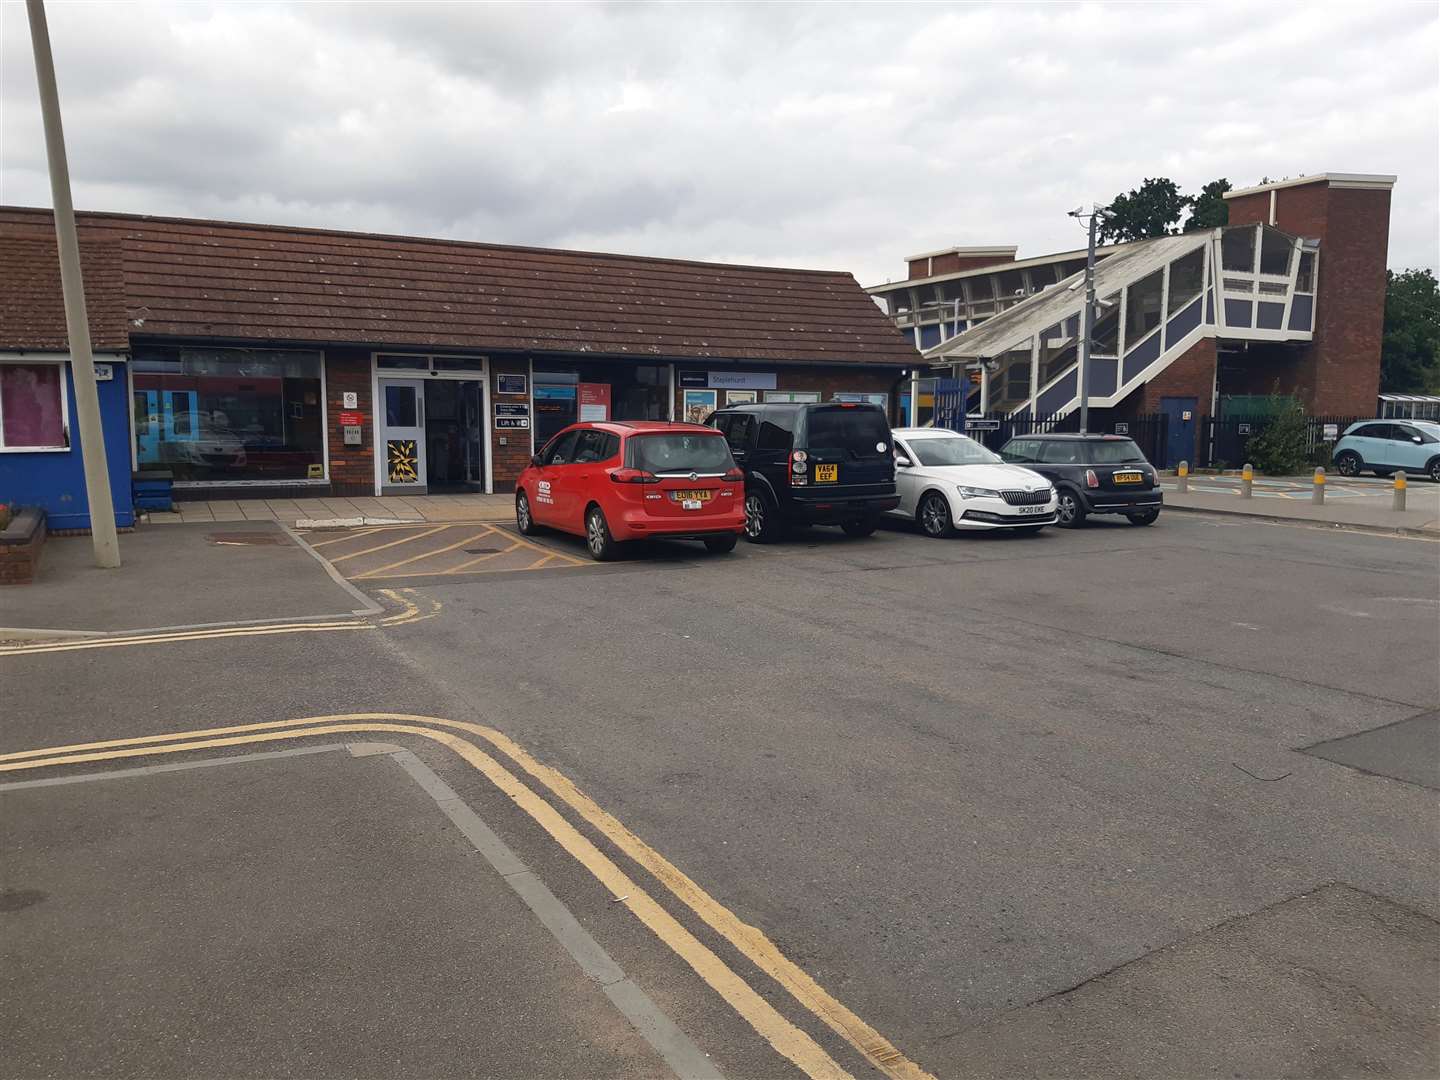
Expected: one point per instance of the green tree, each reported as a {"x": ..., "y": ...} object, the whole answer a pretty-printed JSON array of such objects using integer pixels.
[
  {"x": 1152, "y": 209},
  {"x": 1284, "y": 446},
  {"x": 1410, "y": 349},
  {"x": 1209, "y": 210}
]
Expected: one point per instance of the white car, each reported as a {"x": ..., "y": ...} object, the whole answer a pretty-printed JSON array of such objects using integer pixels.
[{"x": 948, "y": 481}]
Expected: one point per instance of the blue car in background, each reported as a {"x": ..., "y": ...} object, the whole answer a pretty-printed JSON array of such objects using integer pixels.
[{"x": 1384, "y": 446}]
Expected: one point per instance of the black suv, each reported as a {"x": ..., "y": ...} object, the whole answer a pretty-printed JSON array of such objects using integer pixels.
[
  {"x": 828, "y": 464},
  {"x": 1093, "y": 474}
]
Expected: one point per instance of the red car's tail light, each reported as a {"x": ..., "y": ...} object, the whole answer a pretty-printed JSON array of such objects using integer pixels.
[
  {"x": 633, "y": 476},
  {"x": 1091, "y": 480},
  {"x": 733, "y": 476}
]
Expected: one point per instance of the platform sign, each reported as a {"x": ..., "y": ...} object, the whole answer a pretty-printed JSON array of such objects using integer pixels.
[
  {"x": 513, "y": 423},
  {"x": 982, "y": 425},
  {"x": 505, "y": 408}
]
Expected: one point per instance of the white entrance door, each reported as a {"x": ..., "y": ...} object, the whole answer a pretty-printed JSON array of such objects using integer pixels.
[{"x": 402, "y": 436}]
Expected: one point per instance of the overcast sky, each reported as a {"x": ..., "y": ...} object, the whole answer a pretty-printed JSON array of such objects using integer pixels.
[{"x": 836, "y": 136}]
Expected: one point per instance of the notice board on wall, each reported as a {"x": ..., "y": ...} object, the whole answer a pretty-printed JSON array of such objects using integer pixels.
[{"x": 594, "y": 401}]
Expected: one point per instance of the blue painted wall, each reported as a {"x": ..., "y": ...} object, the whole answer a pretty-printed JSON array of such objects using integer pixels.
[{"x": 56, "y": 481}]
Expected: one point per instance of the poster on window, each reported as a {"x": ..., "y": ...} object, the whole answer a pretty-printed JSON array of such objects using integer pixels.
[
  {"x": 594, "y": 401},
  {"x": 741, "y": 397},
  {"x": 699, "y": 404}
]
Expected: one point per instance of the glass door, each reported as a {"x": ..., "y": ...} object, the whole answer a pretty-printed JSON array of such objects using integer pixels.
[{"x": 402, "y": 436}]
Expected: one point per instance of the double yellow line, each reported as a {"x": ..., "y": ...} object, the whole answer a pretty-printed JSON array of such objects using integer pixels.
[
  {"x": 787, "y": 1039},
  {"x": 411, "y": 612}
]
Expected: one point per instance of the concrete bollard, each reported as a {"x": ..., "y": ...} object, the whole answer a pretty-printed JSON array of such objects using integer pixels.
[
  {"x": 1182, "y": 477},
  {"x": 1247, "y": 479},
  {"x": 1317, "y": 494},
  {"x": 1399, "y": 503}
]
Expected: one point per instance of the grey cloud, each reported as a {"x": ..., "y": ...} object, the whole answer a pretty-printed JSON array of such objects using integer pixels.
[{"x": 832, "y": 136}]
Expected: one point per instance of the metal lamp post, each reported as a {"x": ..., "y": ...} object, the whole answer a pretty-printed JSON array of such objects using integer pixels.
[{"x": 1095, "y": 216}]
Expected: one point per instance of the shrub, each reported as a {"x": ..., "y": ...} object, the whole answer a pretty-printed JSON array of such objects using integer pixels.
[{"x": 1284, "y": 446}]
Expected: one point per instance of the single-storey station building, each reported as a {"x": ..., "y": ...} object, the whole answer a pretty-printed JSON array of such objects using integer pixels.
[{"x": 262, "y": 360}]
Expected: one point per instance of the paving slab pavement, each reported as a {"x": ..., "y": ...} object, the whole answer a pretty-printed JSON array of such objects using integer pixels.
[
  {"x": 1360, "y": 503},
  {"x": 468, "y": 507},
  {"x": 195, "y": 574}
]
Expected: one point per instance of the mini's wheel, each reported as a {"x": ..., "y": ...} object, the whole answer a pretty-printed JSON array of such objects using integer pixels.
[
  {"x": 524, "y": 520},
  {"x": 1070, "y": 511},
  {"x": 1144, "y": 517}
]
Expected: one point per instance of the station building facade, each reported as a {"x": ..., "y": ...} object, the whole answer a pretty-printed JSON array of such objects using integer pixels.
[
  {"x": 256, "y": 360},
  {"x": 1289, "y": 298}
]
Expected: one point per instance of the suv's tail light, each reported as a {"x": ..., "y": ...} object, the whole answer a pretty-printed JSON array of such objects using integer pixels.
[
  {"x": 1091, "y": 480},
  {"x": 733, "y": 476},
  {"x": 799, "y": 470},
  {"x": 633, "y": 476}
]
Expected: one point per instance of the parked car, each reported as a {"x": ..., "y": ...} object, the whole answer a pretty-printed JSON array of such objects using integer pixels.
[
  {"x": 1092, "y": 474},
  {"x": 1383, "y": 446},
  {"x": 811, "y": 464},
  {"x": 620, "y": 481},
  {"x": 948, "y": 481}
]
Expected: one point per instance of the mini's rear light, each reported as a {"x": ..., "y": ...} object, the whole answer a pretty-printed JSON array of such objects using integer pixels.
[
  {"x": 633, "y": 476},
  {"x": 1091, "y": 480},
  {"x": 733, "y": 476}
]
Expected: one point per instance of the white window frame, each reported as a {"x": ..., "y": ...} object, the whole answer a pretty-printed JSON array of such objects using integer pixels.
[{"x": 63, "y": 363}]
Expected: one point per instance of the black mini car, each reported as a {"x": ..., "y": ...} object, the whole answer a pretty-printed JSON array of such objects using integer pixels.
[
  {"x": 811, "y": 464},
  {"x": 1092, "y": 474}
]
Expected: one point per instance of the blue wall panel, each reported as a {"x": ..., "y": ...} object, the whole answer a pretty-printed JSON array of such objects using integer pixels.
[
  {"x": 1300, "y": 308},
  {"x": 1058, "y": 395},
  {"x": 1142, "y": 356},
  {"x": 1239, "y": 312},
  {"x": 1186, "y": 321},
  {"x": 1270, "y": 316},
  {"x": 929, "y": 336},
  {"x": 56, "y": 480},
  {"x": 1102, "y": 375}
]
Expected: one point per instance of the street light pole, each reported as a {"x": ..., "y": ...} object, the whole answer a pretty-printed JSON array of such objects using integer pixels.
[
  {"x": 72, "y": 285},
  {"x": 1088, "y": 329}
]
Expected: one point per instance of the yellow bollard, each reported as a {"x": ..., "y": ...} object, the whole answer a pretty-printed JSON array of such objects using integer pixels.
[
  {"x": 1399, "y": 503},
  {"x": 1317, "y": 496},
  {"x": 1182, "y": 477},
  {"x": 1247, "y": 479}
]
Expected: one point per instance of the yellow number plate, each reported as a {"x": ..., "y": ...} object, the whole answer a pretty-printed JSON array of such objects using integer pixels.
[
  {"x": 691, "y": 496},
  {"x": 827, "y": 474},
  {"x": 1129, "y": 477}
]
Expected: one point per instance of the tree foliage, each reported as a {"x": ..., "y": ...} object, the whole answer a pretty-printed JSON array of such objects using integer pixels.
[
  {"x": 1156, "y": 206},
  {"x": 1410, "y": 349},
  {"x": 1284, "y": 446},
  {"x": 1209, "y": 210}
]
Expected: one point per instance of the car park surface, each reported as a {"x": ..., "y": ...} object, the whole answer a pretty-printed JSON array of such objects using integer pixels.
[
  {"x": 811, "y": 464},
  {"x": 1387, "y": 446},
  {"x": 1092, "y": 474},
  {"x": 633, "y": 480},
  {"x": 949, "y": 481}
]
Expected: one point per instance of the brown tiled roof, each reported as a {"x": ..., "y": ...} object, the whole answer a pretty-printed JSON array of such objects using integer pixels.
[
  {"x": 32, "y": 307},
  {"x": 207, "y": 279}
]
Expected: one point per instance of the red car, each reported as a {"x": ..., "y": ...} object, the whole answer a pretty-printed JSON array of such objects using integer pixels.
[{"x": 630, "y": 480}]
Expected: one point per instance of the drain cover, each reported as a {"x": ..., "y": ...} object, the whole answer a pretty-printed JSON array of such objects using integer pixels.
[
  {"x": 245, "y": 539},
  {"x": 481, "y": 551}
]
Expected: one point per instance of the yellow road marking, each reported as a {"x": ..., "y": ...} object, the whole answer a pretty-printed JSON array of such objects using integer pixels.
[
  {"x": 410, "y": 614},
  {"x": 749, "y": 940},
  {"x": 425, "y": 554},
  {"x": 392, "y": 543},
  {"x": 787, "y": 1039},
  {"x": 481, "y": 558},
  {"x": 340, "y": 539},
  {"x": 539, "y": 563},
  {"x": 547, "y": 551}
]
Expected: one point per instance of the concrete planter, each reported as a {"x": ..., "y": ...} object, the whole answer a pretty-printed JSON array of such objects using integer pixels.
[{"x": 20, "y": 545}]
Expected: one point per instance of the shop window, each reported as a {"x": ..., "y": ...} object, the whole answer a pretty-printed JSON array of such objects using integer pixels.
[
  {"x": 1237, "y": 250},
  {"x": 1142, "y": 307},
  {"x": 1187, "y": 277},
  {"x": 1305, "y": 276},
  {"x": 457, "y": 363},
  {"x": 219, "y": 415},
  {"x": 1275, "y": 249},
  {"x": 32, "y": 407}
]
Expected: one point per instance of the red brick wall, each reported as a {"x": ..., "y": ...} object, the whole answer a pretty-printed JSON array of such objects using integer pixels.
[
  {"x": 1340, "y": 371},
  {"x": 952, "y": 263},
  {"x": 1191, "y": 375},
  {"x": 509, "y": 460},
  {"x": 352, "y": 468}
]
